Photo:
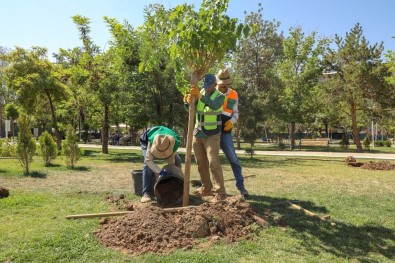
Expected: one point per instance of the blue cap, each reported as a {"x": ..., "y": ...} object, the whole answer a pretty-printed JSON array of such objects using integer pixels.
[{"x": 208, "y": 81}]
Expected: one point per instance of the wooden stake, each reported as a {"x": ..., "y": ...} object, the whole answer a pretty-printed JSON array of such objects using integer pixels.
[
  {"x": 166, "y": 210},
  {"x": 309, "y": 213}
]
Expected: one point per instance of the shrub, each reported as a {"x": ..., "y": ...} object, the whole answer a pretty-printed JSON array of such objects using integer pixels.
[
  {"x": 48, "y": 149},
  {"x": 366, "y": 143},
  {"x": 387, "y": 143},
  {"x": 378, "y": 144},
  {"x": 70, "y": 149},
  {"x": 7, "y": 148},
  {"x": 344, "y": 143},
  {"x": 26, "y": 146}
]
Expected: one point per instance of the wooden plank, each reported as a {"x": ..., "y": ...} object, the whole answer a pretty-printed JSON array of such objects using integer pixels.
[{"x": 166, "y": 210}]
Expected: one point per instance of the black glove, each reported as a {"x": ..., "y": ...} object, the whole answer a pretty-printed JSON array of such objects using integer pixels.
[{"x": 163, "y": 173}]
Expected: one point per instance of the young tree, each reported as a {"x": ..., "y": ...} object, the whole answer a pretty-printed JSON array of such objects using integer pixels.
[
  {"x": 26, "y": 146},
  {"x": 199, "y": 39},
  {"x": 299, "y": 71},
  {"x": 71, "y": 151},
  {"x": 357, "y": 76},
  {"x": 47, "y": 148}
]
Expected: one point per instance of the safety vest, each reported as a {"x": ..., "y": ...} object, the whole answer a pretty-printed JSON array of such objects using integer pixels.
[
  {"x": 230, "y": 100},
  {"x": 207, "y": 119}
]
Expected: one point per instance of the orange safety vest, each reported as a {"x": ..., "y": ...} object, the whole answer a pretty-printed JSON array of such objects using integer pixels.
[{"x": 230, "y": 100}]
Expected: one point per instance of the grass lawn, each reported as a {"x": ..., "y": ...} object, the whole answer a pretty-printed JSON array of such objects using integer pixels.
[{"x": 361, "y": 202}]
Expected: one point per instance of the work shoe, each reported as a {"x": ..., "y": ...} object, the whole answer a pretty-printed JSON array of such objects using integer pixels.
[
  {"x": 244, "y": 192},
  {"x": 216, "y": 198},
  {"x": 201, "y": 193},
  {"x": 145, "y": 198}
]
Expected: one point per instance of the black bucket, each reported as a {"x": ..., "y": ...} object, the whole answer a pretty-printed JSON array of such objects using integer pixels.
[
  {"x": 137, "y": 176},
  {"x": 169, "y": 189}
]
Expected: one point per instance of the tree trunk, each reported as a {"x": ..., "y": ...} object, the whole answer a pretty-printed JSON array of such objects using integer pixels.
[
  {"x": 355, "y": 132},
  {"x": 188, "y": 155},
  {"x": 326, "y": 129},
  {"x": 238, "y": 128},
  {"x": 105, "y": 128},
  {"x": 55, "y": 124},
  {"x": 292, "y": 133}
]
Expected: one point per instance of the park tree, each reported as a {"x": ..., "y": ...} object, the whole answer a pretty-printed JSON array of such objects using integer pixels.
[
  {"x": 26, "y": 146},
  {"x": 36, "y": 80},
  {"x": 388, "y": 120},
  {"x": 199, "y": 39},
  {"x": 77, "y": 108},
  {"x": 6, "y": 95},
  {"x": 254, "y": 77},
  {"x": 299, "y": 71},
  {"x": 159, "y": 69},
  {"x": 12, "y": 113},
  {"x": 102, "y": 80},
  {"x": 72, "y": 153},
  {"x": 357, "y": 77},
  {"x": 47, "y": 146}
]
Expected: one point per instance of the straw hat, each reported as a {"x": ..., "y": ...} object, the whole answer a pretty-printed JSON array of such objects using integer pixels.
[
  {"x": 162, "y": 146},
  {"x": 223, "y": 77}
]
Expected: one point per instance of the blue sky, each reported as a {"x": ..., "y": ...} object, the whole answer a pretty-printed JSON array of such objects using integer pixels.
[{"x": 48, "y": 23}]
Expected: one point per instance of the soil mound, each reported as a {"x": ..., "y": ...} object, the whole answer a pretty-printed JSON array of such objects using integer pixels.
[
  {"x": 152, "y": 229},
  {"x": 380, "y": 165},
  {"x": 4, "y": 192}
]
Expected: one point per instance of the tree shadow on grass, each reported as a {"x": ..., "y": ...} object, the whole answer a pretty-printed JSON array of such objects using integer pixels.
[
  {"x": 53, "y": 165},
  {"x": 36, "y": 174},
  {"x": 2, "y": 171},
  {"x": 342, "y": 240},
  {"x": 260, "y": 161},
  {"x": 115, "y": 157},
  {"x": 81, "y": 168}
]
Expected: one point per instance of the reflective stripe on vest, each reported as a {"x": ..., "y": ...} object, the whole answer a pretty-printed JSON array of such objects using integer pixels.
[
  {"x": 230, "y": 100},
  {"x": 207, "y": 119}
]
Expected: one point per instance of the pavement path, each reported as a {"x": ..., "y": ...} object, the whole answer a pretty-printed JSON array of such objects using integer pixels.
[{"x": 296, "y": 153}]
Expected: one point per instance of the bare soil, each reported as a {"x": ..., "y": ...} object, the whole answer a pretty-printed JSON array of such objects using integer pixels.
[
  {"x": 371, "y": 165},
  {"x": 380, "y": 165},
  {"x": 4, "y": 192},
  {"x": 151, "y": 229}
]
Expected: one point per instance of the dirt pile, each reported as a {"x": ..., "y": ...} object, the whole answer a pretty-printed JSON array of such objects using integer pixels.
[
  {"x": 118, "y": 202},
  {"x": 351, "y": 161},
  {"x": 4, "y": 192},
  {"x": 151, "y": 229},
  {"x": 380, "y": 165}
]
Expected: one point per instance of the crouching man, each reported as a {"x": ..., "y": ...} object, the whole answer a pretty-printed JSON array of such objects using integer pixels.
[{"x": 158, "y": 142}]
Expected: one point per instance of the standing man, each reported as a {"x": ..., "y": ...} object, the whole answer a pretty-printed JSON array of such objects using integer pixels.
[
  {"x": 162, "y": 143},
  {"x": 229, "y": 116},
  {"x": 207, "y": 132}
]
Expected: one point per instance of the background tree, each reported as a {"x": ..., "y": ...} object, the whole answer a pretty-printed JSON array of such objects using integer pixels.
[
  {"x": 35, "y": 79},
  {"x": 6, "y": 95},
  {"x": 102, "y": 80},
  {"x": 159, "y": 70},
  {"x": 254, "y": 77},
  {"x": 26, "y": 146},
  {"x": 78, "y": 108},
  {"x": 12, "y": 113},
  {"x": 299, "y": 71},
  {"x": 358, "y": 76}
]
